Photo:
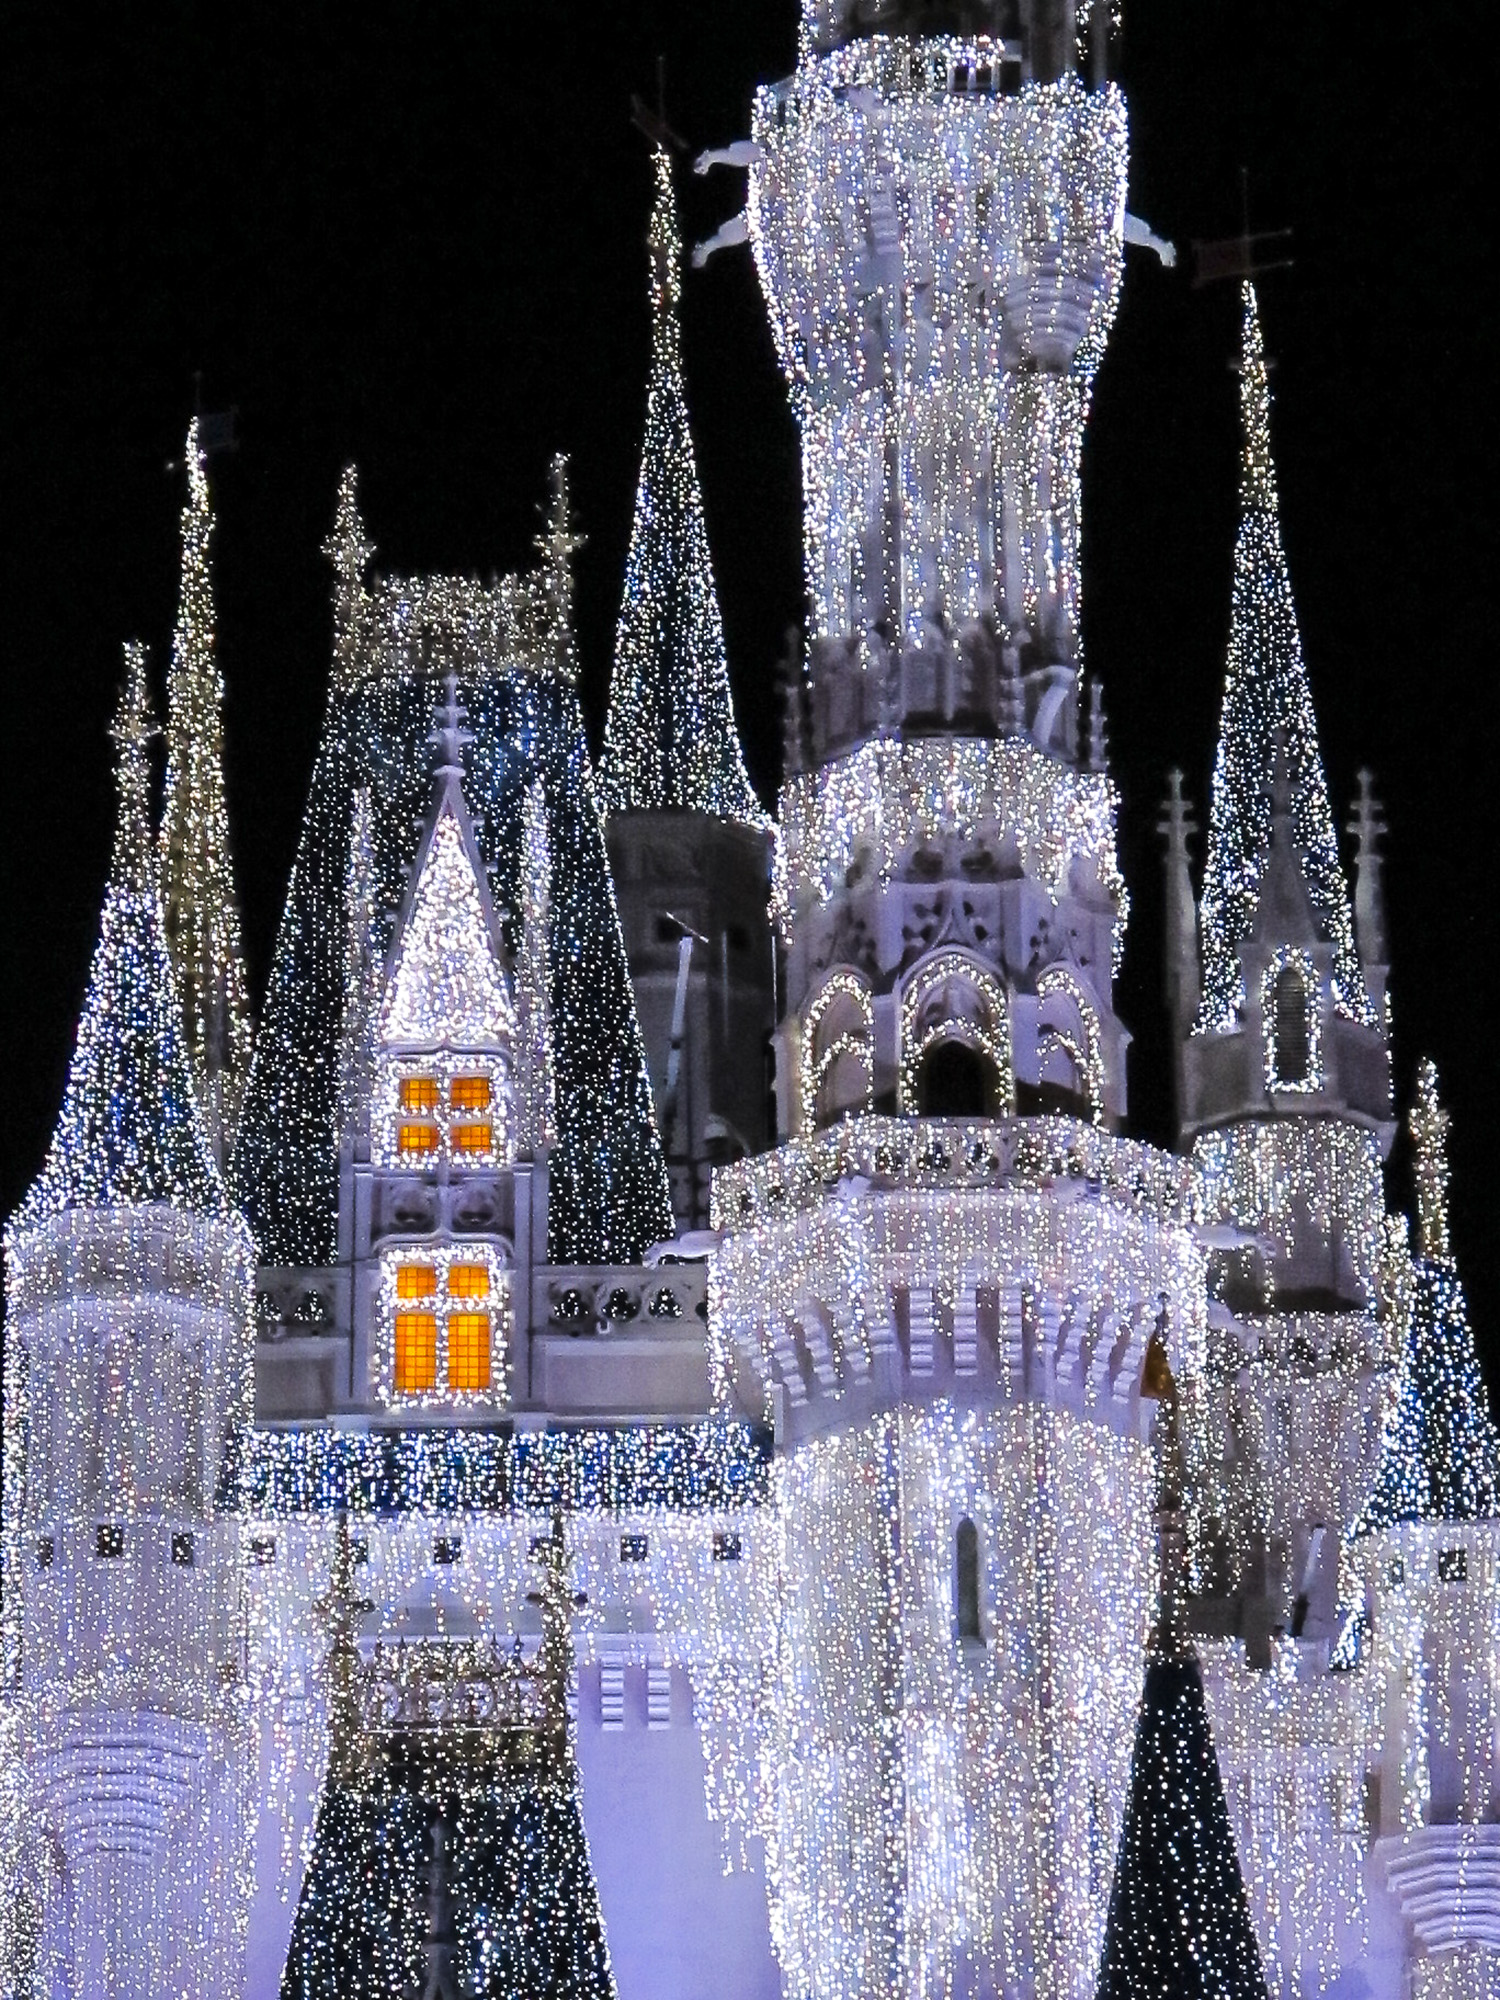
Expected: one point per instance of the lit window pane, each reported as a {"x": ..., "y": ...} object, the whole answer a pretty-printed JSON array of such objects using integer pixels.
[
  {"x": 415, "y": 1281},
  {"x": 416, "y": 1351},
  {"x": 470, "y": 1093},
  {"x": 414, "y": 1139},
  {"x": 471, "y": 1138},
  {"x": 468, "y": 1281},
  {"x": 468, "y": 1350},
  {"x": 419, "y": 1093}
]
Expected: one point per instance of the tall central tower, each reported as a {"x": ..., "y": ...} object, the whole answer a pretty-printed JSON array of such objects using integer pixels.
[{"x": 942, "y": 1285}]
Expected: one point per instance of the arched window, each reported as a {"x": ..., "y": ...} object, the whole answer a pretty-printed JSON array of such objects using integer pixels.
[
  {"x": 966, "y": 1582},
  {"x": 1289, "y": 1023},
  {"x": 1070, "y": 1063},
  {"x": 955, "y": 1001},
  {"x": 838, "y": 1050}
]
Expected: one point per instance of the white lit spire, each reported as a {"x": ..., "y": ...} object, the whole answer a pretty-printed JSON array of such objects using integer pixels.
[
  {"x": 1267, "y": 703},
  {"x": 670, "y": 741}
]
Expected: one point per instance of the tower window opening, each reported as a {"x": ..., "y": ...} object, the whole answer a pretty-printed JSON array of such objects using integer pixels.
[
  {"x": 471, "y": 1138},
  {"x": 956, "y": 1080},
  {"x": 468, "y": 1351},
  {"x": 1292, "y": 1062},
  {"x": 470, "y": 1093},
  {"x": 966, "y": 1583},
  {"x": 419, "y": 1093},
  {"x": 415, "y": 1281},
  {"x": 416, "y": 1351},
  {"x": 468, "y": 1281},
  {"x": 414, "y": 1140}
]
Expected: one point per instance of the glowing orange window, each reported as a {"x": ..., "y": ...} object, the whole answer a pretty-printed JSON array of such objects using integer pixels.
[
  {"x": 468, "y": 1350},
  {"x": 468, "y": 1281},
  {"x": 472, "y": 1138},
  {"x": 470, "y": 1093},
  {"x": 416, "y": 1351},
  {"x": 415, "y": 1281},
  {"x": 417, "y": 1138},
  {"x": 419, "y": 1093}
]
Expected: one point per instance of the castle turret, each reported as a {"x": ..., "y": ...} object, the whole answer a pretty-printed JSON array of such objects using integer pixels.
[
  {"x": 941, "y": 1286},
  {"x": 129, "y": 1300},
  {"x": 199, "y": 906},
  {"x": 689, "y": 846}
]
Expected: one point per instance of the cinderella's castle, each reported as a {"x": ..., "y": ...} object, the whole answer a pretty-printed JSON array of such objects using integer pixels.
[{"x": 651, "y": 1433}]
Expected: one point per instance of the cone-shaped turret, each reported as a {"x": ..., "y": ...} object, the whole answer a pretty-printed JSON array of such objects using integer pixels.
[
  {"x": 1179, "y": 1922},
  {"x": 1267, "y": 702},
  {"x": 199, "y": 908},
  {"x": 131, "y": 1132},
  {"x": 1441, "y": 1460},
  {"x": 670, "y": 741}
]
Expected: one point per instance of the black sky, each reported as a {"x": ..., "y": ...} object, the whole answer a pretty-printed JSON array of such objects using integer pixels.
[{"x": 413, "y": 236}]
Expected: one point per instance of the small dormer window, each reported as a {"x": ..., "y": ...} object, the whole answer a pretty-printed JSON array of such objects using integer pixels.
[
  {"x": 446, "y": 1314},
  {"x": 1289, "y": 1017}
]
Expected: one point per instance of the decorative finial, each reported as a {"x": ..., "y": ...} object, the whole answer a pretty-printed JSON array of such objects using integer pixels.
[
  {"x": 448, "y": 735},
  {"x": 662, "y": 240},
  {"x": 1098, "y": 742},
  {"x": 1428, "y": 1124},
  {"x": 1367, "y": 824},
  {"x": 558, "y": 544},
  {"x": 346, "y": 547},
  {"x": 1176, "y": 824},
  {"x": 1257, "y": 469},
  {"x": 132, "y": 729}
]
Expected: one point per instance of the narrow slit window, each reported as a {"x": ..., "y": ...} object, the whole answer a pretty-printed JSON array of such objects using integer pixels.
[
  {"x": 416, "y": 1351},
  {"x": 469, "y": 1351},
  {"x": 966, "y": 1581}
]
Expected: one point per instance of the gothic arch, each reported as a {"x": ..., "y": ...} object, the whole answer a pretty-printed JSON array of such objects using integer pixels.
[
  {"x": 1069, "y": 1052},
  {"x": 952, "y": 997},
  {"x": 1290, "y": 1024},
  {"x": 838, "y": 1049}
]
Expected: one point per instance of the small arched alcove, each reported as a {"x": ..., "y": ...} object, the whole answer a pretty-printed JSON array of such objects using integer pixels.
[
  {"x": 956, "y": 1080},
  {"x": 1291, "y": 1061}
]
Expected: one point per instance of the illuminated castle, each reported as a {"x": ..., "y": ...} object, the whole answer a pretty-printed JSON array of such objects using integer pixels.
[{"x": 510, "y": 1490}]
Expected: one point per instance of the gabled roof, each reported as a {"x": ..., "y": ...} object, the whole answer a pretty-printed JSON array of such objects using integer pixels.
[{"x": 130, "y": 1133}]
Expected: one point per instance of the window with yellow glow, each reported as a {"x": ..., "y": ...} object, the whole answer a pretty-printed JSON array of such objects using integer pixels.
[
  {"x": 415, "y": 1281},
  {"x": 470, "y": 1093},
  {"x": 468, "y": 1350},
  {"x": 416, "y": 1351},
  {"x": 472, "y": 1138},
  {"x": 419, "y": 1093},
  {"x": 467, "y": 1281},
  {"x": 417, "y": 1138}
]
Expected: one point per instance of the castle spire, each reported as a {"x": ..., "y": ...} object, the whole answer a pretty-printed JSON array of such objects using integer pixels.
[
  {"x": 349, "y": 552},
  {"x": 670, "y": 740},
  {"x": 1441, "y": 1456},
  {"x": 131, "y": 1133},
  {"x": 199, "y": 908},
  {"x": 1267, "y": 701}
]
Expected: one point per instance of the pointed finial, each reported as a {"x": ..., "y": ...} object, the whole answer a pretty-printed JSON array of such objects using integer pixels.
[
  {"x": 664, "y": 241},
  {"x": 1176, "y": 824},
  {"x": 557, "y": 545},
  {"x": 1428, "y": 1124},
  {"x": 1367, "y": 824},
  {"x": 1098, "y": 744},
  {"x": 346, "y": 547},
  {"x": 1257, "y": 471},
  {"x": 448, "y": 735},
  {"x": 196, "y": 461},
  {"x": 132, "y": 729}
]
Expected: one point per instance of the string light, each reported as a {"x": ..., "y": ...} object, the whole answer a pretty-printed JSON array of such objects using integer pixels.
[
  {"x": 670, "y": 741},
  {"x": 199, "y": 906}
]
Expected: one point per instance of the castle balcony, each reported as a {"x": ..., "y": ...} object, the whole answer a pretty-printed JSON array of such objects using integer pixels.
[{"x": 886, "y": 1260}]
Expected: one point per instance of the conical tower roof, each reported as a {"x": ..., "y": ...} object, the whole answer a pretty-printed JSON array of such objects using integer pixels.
[
  {"x": 1179, "y": 1923},
  {"x": 199, "y": 907},
  {"x": 1268, "y": 714},
  {"x": 670, "y": 740},
  {"x": 1441, "y": 1458},
  {"x": 131, "y": 1133}
]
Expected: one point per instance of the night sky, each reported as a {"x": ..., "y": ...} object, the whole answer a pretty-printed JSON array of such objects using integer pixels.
[{"x": 414, "y": 237}]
